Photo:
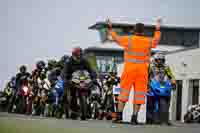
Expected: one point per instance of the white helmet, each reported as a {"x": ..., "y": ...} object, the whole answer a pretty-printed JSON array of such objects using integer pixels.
[
  {"x": 159, "y": 58},
  {"x": 159, "y": 55}
]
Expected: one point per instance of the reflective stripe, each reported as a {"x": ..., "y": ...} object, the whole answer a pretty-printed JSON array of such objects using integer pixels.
[
  {"x": 131, "y": 53},
  {"x": 137, "y": 61},
  {"x": 123, "y": 97},
  {"x": 139, "y": 93},
  {"x": 139, "y": 98},
  {"x": 125, "y": 90},
  {"x": 136, "y": 53}
]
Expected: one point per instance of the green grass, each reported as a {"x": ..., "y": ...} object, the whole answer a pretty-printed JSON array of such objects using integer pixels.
[{"x": 22, "y": 126}]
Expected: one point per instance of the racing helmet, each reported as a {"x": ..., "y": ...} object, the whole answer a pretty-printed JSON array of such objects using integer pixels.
[
  {"x": 40, "y": 64},
  {"x": 23, "y": 69},
  {"x": 159, "y": 58},
  {"x": 77, "y": 52}
]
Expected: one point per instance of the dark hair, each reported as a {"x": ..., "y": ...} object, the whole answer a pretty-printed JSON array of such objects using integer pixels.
[{"x": 139, "y": 28}]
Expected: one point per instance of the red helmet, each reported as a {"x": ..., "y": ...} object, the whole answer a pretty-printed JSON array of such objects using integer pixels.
[{"x": 77, "y": 52}]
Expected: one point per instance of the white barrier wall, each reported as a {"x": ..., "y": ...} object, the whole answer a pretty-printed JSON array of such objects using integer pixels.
[{"x": 185, "y": 66}]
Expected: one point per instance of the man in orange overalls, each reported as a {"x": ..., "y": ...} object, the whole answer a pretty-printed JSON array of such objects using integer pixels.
[{"x": 137, "y": 51}]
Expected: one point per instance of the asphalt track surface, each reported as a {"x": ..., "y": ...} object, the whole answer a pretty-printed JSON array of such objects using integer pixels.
[{"x": 13, "y": 123}]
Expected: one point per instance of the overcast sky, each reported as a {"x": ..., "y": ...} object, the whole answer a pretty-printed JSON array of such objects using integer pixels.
[{"x": 35, "y": 29}]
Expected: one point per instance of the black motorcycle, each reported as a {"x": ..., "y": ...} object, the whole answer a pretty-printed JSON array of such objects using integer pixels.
[
  {"x": 95, "y": 105},
  {"x": 109, "y": 104},
  {"x": 82, "y": 83},
  {"x": 10, "y": 93},
  {"x": 193, "y": 114}
]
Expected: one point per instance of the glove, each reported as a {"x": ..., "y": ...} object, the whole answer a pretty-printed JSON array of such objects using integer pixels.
[{"x": 174, "y": 87}]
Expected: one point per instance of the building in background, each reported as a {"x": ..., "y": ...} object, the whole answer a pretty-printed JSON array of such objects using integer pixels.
[
  {"x": 180, "y": 44},
  {"x": 173, "y": 39}
]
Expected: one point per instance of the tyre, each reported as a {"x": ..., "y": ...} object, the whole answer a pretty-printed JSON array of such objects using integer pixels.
[
  {"x": 10, "y": 104},
  {"x": 74, "y": 115},
  {"x": 59, "y": 112},
  {"x": 110, "y": 103},
  {"x": 95, "y": 111},
  {"x": 188, "y": 118},
  {"x": 21, "y": 105},
  {"x": 83, "y": 106},
  {"x": 58, "y": 115}
]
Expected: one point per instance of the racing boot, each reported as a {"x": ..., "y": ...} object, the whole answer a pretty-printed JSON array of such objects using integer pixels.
[
  {"x": 164, "y": 118},
  {"x": 74, "y": 116},
  {"x": 117, "y": 117},
  {"x": 134, "y": 120},
  {"x": 66, "y": 114},
  {"x": 101, "y": 115}
]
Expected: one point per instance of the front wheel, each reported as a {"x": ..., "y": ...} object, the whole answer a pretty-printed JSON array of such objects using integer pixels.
[
  {"x": 95, "y": 111},
  {"x": 83, "y": 105},
  {"x": 21, "y": 105},
  {"x": 10, "y": 104}
]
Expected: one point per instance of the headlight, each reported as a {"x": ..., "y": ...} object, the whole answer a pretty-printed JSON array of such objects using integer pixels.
[
  {"x": 76, "y": 81},
  {"x": 25, "y": 89}
]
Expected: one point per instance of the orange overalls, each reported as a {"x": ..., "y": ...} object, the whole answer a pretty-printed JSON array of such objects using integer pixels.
[{"x": 137, "y": 51}]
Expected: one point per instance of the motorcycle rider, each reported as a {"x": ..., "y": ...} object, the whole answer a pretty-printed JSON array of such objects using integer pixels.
[
  {"x": 21, "y": 76},
  {"x": 10, "y": 91},
  {"x": 40, "y": 67},
  {"x": 76, "y": 62},
  {"x": 38, "y": 72},
  {"x": 160, "y": 71},
  {"x": 11, "y": 85}
]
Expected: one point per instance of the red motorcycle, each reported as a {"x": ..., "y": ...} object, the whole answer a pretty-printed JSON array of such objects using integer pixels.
[{"x": 24, "y": 99}]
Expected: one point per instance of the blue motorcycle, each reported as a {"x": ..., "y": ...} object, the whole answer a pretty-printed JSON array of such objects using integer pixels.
[
  {"x": 59, "y": 103},
  {"x": 157, "y": 89},
  {"x": 162, "y": 88},
  {"x": 55, "y": 99}
]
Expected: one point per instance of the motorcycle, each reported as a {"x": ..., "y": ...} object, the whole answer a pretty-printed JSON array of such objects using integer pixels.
[
  {"x": 24, "y": 104},
  {"x": 10, "y": 92},
  {"x": 193, "y": 114},
  {"x": 95, "y": 104},
  {"x": 82, "y": 83},
  {"x": 41, "y": 97},
  {"x": 157, "y": 89},
  {"x": 3, "y": 101},
  {"x": 59, "y": 87},
  {"x": 162, "y": 88},
  {"x": 109, "y": 99}
]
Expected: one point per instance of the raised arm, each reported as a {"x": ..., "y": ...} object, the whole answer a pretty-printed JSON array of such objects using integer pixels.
[
  {"x": 157, "y": 34},
  {"x": 156, "y": 39},
  {"x": 120, "y": 40}
]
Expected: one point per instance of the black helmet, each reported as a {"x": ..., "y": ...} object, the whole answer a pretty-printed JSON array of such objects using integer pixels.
[
  {"x": 57, "y": 71},
  {"x": 65, "y": 58},
  {"x": 13, "y": 78},
  {"x": 22, "y": 69},
  {"x": 40, "y": 65}
]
